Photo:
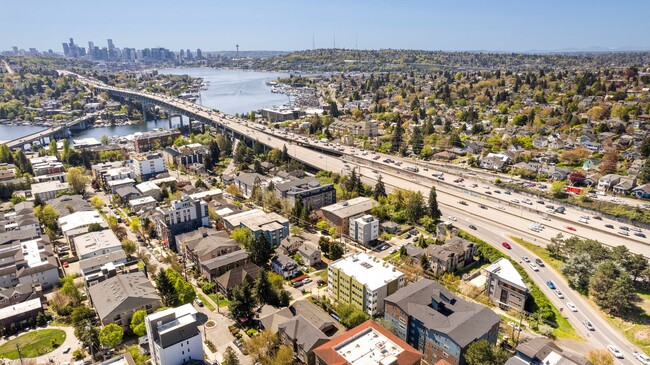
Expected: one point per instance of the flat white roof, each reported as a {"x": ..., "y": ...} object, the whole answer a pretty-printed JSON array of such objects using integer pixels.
[
  {"x": 95, "y": 241},
  {"x": 204, "y": 194},
  {"x": 12, "y": 310},
  {"x": 146, "y": 186},
  {"x": 32, "y": 253},
  {"x": 79, "y": 219},
  {"x": 504, "y": 269},
  {"x": 49, "y": 186},
  {"x": 142, "y": 200},
  {"x": 373, "y": 274},
  {"x": 369, "y": 347}
]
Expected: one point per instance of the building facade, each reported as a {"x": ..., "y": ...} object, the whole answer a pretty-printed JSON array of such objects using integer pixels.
[
  {"x": 505, "y": 286},
  {"x": 174, "y": 336},
  {"x": 147, "y": 166},
  {"x": 181, "y": 216},
  {"x": 364, "y": 229},
  {"x": 157, "y": 139}
]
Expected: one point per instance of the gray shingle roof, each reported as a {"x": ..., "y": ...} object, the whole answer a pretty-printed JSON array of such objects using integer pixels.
[
  {"x": 122, "y": 293},
  {"x": 305, "y": 334}
]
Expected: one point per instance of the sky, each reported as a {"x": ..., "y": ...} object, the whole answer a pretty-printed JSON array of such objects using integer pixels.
[{"x": 454, "y": 25}]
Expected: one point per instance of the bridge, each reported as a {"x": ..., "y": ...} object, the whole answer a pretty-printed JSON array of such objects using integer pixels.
[{"x": 60, "y": 131}]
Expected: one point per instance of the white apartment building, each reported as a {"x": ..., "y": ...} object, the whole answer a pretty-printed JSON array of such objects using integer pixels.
[
  {"x": 147, "y": 166},
  {"x": 364, "y": 229},
  {"x": 181, "y": 216},
  {"x": 174, "y": 336}
]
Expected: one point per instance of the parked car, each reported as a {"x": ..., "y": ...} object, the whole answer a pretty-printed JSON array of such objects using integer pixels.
[
  {"x": 198, "y": 302},
  {"x": 639, "y": 234},
  {"x": 66, "y": 350},
  {"x": 297, "y": 284},
  {"x": 306, "y": 281}
]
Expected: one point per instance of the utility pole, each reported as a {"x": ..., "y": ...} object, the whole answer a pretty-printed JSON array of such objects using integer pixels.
[{"x": 20, "y": 355}]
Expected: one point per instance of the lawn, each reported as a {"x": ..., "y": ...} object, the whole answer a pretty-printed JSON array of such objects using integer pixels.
[
  {"x": 541, "y": 252},
  {"x": 221, "y": 302},
  {"x": 33, "y": 344},
  {"x": 205, "y": 302}
]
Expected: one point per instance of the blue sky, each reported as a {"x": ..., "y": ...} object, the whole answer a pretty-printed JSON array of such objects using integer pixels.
[{"x": 496, "y": 25}]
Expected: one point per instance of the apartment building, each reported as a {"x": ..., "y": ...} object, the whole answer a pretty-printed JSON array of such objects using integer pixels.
[
  {"x": 174, "y": 336},
  {"x": 364, "y": 229},
  {"x": 181, "y": 216},
  {"x": 147, "y": 166},
  {"x": 505, "y": 286}
]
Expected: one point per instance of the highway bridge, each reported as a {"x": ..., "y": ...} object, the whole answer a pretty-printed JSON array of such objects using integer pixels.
[{"x": 60, "y": 131}]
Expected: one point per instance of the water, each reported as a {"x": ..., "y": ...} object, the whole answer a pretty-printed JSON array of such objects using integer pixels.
[{"x": 230, "y": 91}]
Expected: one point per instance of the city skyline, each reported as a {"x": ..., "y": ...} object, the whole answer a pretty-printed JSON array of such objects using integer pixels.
[{"x": 289, "y": 25}]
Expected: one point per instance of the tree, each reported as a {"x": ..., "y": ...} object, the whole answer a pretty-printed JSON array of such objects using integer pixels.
[
  {"x": 5, "y": 154},
  {"x": 69, "y": 290},
  {"x": 97, "y": 202},
  {"x": 80, "y": 314},
  {"x": 52, "y": 150},
  {"x": 644, "y": 174},
  {"x": 600, "y": 357},
  {"x": 351, "y": 316},
  {"x": 609, "y": 162},
  {"x": 612, "y": 288},
  {"x": 135, "y": 226},
  {"x": 104, "y": 140},
  {"x": 414, "y": 207},
  {"x": 379, "y": 190},
  {"x": 285, "y": 154},
  {"x": 260, "y": 250},
  {"x": 230, "y": 357},
  {"x": 322, "y": 226},
  {"x": 129, "y": 247},
  {"x": 47, "y": 215},
  {"x": 558, "y": 189},
  {"x": 88, "y": 335},
  {"x": 138, "y": 356},
  {"x": 66, "y": 150},
  {"x": 242, "y": 302},
  {"x": 417, "y": 140},
  {"x": 243, "y": 236},
  {"x": 574, "y": 156},
  {"x": 111, "y": 335},
  {"x": 577, "y": 177},
  {"x": 432, "y": 205},
  {"x": 283, "y": 356},
  {"x": 77, "y": 180},
  {"x": 262, "y": 346},
  {"x": 263, "y": 289},
  {"x": 137, "y": 323},
  {"x": 578, "y": 269},
  {"x": 335, "y": 250},
  {"x": 184, "y": 290},
  {"x": 396, "y": 138},
  {"x": 484, "y": 353},
  {"x": 16, "y": 199},
  {"x": 166, "y": 289}
]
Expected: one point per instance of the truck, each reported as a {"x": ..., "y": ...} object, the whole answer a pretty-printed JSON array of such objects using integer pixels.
[{"x": 411, "y": 168}]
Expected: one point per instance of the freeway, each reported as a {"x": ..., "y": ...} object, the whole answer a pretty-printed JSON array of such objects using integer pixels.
[{"x": 492, "y": 223}]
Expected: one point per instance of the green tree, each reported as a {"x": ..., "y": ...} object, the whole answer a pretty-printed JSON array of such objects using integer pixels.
[
  {"x": 612, "y": 288},
  {"x": 80, "y": 314},
  {"x": 242, "y": 302},
  {"x": 335, "y": 250},
  {"x": 230, "y": 357},
  {"x": 350, "y": 316},
  {"x": 129, "y": 247},
  {"x": 111, "y": 335},
  {"x": 88, "y": 335},
  {"x": 138, "y": 356},
  {"x": 263, "y": 289},
  {"x": 105, "y": 140},
  {"x": 16, "y": 199},
  {"x": 414, "y": 207},
  {"x": 66, "y": 150},
  {"x": 417, "y": 140},
  {"x": 184, "y": 290},
  {"x": 260, "y": 250},
  {"x": 243, "y": 236},
  {"x": 578, "y": 270},
  {"x": 558, "y": 189},
  {"x": 77, "y": 180},
  {"x": 166, "y": 289},
  {"x": 398, "y": 133},
  {"x": 52, "y": 150},
  {"x": 644, "y": 173},
  {"x": 69, "y": 290},
  {"x": 484, "y": 353},
  {"x": 432, "y": 205},
  {"x": 379, "y": 191},
  {"x": 47, "y": 215},
  {"x": 137, "y": 323},
  {"x": 5, "y": 154}
]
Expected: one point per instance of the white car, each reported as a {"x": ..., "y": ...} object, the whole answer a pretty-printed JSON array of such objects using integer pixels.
[
  {"x": 533, "y": 266},
  {"x": 525, "y": 258},
  {"x": 615, "y": 351},
  {"x": 572, "y": 307},
  {"x": 642, "y": 357},
  {"x": 500, "y": 207},
  {"x": 559, "y": 294},
  {"x": 452, "y": 218}
]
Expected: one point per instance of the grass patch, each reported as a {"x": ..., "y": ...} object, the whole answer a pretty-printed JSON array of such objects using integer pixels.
[
  {"x": 393, "y": 255},
  {"x": 205, "y": 302},
  {"x": 58, "y": 322},
  {"x": 33, "y": 344},
  {"x": 221, "y": 301},
  {"x": 540, "y": 252}
]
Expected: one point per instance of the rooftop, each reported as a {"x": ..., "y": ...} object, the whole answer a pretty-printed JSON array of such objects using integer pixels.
[
  {"x": 79, "y": 219},
  {"x": 373, "y": 274},
  {"x": 122, "y": 293},
  {"x": 352, "y": 207},
  {"x": 19, "y": 308},
  {"x": 504, "y": 269},
  {"x": 257, "y": 219},
  {"x": 95, "y": 241},
  {"x": 49, "y": 186}
]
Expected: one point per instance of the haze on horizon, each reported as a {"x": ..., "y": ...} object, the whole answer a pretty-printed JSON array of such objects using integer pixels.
[{"x": 284, "y": 25}]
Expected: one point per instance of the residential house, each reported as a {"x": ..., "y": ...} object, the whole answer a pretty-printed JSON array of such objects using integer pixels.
[
  {"x": 204, "y": 244},
  {"x": 368, "y": 343},
  {"x": 303, "y": 337},
  {"x": 149, "y": 188},
  {"x": 625, "y": 185},
  {"x": 505, "y": 286},
  {"x": 215, "y": 267},
  {"x": 248, "y": 272},
  {"x": 30, "y": 262},
  {"x": 496, "y": 162},
  {"x": 437, "y": 322},
  {"x": 245, "y": 182},
  {"x": 77, "y": 223},
  {"x": 117, "y": 298},
  {"x": 642, "y": 191},
  {"x": 453, "y": 255},
  {"x": 309, "y": 253},
  {"x": 143, "y": 204},
  {"x": 94, "y": 244},
  {"x": 363, "y": 282},
  {"x": 285, "y": 266},
  {"x": 127, "y": 193},
  {"x": 607, "y": 182},
  {"x": 541, "y": 350}
]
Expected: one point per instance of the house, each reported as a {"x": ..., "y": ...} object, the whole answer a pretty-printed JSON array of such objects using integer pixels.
[
  {"x": 607, "y": 182},
  {"x": 219, "y": 265},
  {"x": 248, "y": 272},
  {"x": 204, "y": 244},
  {"x": 303, "y": 337},
  {"x": 77, "y": 223},
  {"x": 149, "y": 188},
  {"x": 181, "y": 216},
  {"x": 48, "y": 190},
  {"x": 493, "y": 162},
  {"x": 30, "y": 262},
  {"x": 19, "y": 293},
  {"x": 540, "y": 142},
  {"x": 174, "y": 336},
  {"x": 437, "y": 322},
  {"x": 113, "y": 185},
  {"x": 363, "y": 282},
  {"x": 368, "y": 343},
  {"x": 642, "y": 191},
  {"x": 148, "y": 166},
  {"x": 126, "y": 193},
  {"x": 625, "y": 185},
  {"x": 390, "y": 227},
  {"x": 414, "y": 251},
  {"x": 316, "y": 316},
  {"x": 117, "y": 298},
  {"x": 285, "y": 266},
  {"x": 143, "y": 204},
  {"x": 453, "y": 255},
  {"x": 505, "y": 286},
  {"x": 309, "y": 253},
  {"x": 245, "y": 182},
  {"x": 444, "y": 156},
  {"x": 272, "y": 225},
  {"x": 290, "y": 245},
  {"x": 590, "y": 164},
  {"x": 541, "y": 350}
]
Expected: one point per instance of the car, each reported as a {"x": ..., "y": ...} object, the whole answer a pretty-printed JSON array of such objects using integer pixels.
[
  {"x": 471, "y": 226},
  {"x": 452, "y": 218},
  {"x": 639, "y": 234},
  {"x": 533, "y": 266},
  {"x": 570, "y": 228},
  {"x": 623, "y": 233},
  {"x": 615, "y": 351},
  {"x": 306, "y": 281},
  {"x": 65, "y": 264},
  {"x": 297, "y": 284},
  {"x": 623, "y": 228},
  {"x": 642, "y": 357},
  {"x": 507, "y": 193},
  {"x": 609, "y": 226},
  {"x": 500, "y": 207},
  {"x": 488, "y": 192},
  {"x": 572, "y": 307},
  {"x": 66, "y": 350},
  {"x": 516, "y": 201},
  {"x": 596, "y": 217},
  {"x": 525, "y": 258},
  {"x": 482, "y": 206},
  {"x": 392, "y": 250},
  {"x": 539, "y": 262},
  {"x": 559, "y": 294},
  {"x": 384, "y": 247},
  {"x": 408, "y": 236},
  {"x": 198, "y": 302},
  {"x": 541, "y": 202},
  {"x": 635, "y": 229},
  {"x": 589, "y": 326},
  {"x": 506, "y": 245},
  {"x": 497, "y": 191},
  {"x": 550, "y": 284}
]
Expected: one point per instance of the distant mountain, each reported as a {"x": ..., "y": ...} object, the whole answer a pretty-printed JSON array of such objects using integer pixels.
[{"x": 592, "y": 49}]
